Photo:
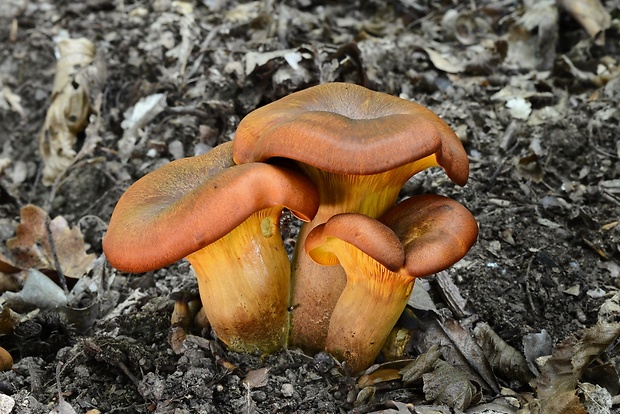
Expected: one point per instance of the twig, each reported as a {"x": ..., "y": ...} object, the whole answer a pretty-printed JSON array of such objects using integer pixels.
[{"x": 61, "y": 275}]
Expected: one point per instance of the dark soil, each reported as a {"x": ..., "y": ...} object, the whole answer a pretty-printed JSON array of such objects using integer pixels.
[{"x": 545, "y": 189}]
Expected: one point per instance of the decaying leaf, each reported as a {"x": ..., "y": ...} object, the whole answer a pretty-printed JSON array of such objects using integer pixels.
[
  {"x": 557, "y": 383},
  {"x": 596, "y": 399},
  {"x": 533, "y": 37},
  {"x": 472, "y": 353},
  {"x": 31, "y": 248},
  {"x": 136, "y": 118},
  {"x": 593, "y": 343},
  {"x": 530, "y": 167},
  {"x": 13, "y": 100},
  {"x": 256, "y": 378},
  {"x": 466, "y": 27},
  {"x": 561, "y": 403},
  {"x": 378, "y": 376},
  {"x": 591, "y": 15},
  {"x": 39, "y": 291},
  {"x": 610, "y": 310},
  {"x": 419, "y": 298},
  {"x": 68, "y": 112},
  {"x": 7, "y": 320},
  {"x": 424, "y": 363},
  {"x": 536, "y": 345},
  {"x": 504, "y": 359},
  {"x": 452, "y": 295},
  {"x": 396, "y": 344},
  {"x": 458, "y": 348},
  {"x": 445, "y": 62},
  {"x": 449, "y": 385}
]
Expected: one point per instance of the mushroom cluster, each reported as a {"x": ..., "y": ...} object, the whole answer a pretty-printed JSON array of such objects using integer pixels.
[{"x": 336, "y": 155}]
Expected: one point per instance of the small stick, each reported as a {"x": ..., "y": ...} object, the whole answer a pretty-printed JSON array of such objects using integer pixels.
[{"x": 61, "y": 275}]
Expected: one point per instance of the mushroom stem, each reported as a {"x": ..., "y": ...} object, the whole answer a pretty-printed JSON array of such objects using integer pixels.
[
  {"x": 316, "y": 288},
  {"x": 247, "y": 313},
  {"x": 368, "y": 308},
  {"x": 370, "y": 194}
]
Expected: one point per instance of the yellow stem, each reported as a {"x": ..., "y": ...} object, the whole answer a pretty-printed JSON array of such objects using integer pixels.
[
  {"x": 244, "y": 283},
  {"x": 368, "y": 308},
  {"x": 316, "y": 288}
]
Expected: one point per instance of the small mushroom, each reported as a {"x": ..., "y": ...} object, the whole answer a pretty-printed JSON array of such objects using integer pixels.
[
  {"x": 382, "y": 258},
  {"x": 359, "y": 147},
  {"x": 224, "y": 219}
]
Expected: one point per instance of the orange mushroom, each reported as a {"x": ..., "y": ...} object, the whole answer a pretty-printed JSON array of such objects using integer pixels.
[
  {"x": 359, "y": 147},
  {"x": 224, "y": 219},
  {"x": 382, "y": 258}
]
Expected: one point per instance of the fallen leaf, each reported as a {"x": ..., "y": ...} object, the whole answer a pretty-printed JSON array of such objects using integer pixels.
[
  {"x": 39, "y": 291},
  {"x": 444, "y": 62},
  {"x": 254, "y": 60},
  {"x": 472, "y": 353},
  {"x": 256, "y": 378},
  {"x": 15, "y": 102},
  {"x": 395, "y": 346},
  {"x": 380, "y": 375},
  {"x": 562, "y": 403},
  {"x": 534, "y": 35},
  {"x": 68, "y": 112},
  {"x": 449, "y": 385},
  {"x": 31, "y": 247},
  {"x": 609, "y": 312},
  {"x": 420, "y": 299},
  {"x": 504, "y": 359},
  {"x": 424, "y": 363},
  {"x": 136, "y": 118},
  {"x": 591, "y": 15},
  {"x": 557, "y": 383},
  {"x": 530, "y": 167},
  {"x": 596, "y": 399},
  {"x": 536, "y": 345}
]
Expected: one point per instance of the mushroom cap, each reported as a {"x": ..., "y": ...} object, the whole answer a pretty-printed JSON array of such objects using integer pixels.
[
  {"x": 190, "y": 203},
  {"x": 435, "y": 231},
  {"x": 348, "y": 129},
  {"x": 370, "y": 236},
  {"x": 418, "y": 237}
]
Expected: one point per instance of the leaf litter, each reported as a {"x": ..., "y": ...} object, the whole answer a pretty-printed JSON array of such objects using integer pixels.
[{"x": 539, "y": 82}]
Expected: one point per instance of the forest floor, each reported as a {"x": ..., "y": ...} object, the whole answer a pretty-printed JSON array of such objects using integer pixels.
[{"x": 534, "y": 98}]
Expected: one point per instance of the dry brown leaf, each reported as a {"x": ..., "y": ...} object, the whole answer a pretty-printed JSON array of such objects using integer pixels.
[
  {"x": 504, "y": 359},
  {"x": 14, "y": 101},
  {"x": 256, "y": 378},
  {"x": 396, "y": 344},
  {"x": 593, "y": 343},
  {"x": 557, "y": 383},
  {"x": 68, "y": 112},
  {"x": 449, "y": 385},
  {"x": 6, "y": 266},
  {"x": 530, "y": 167},
  {"x": 445, "y": 62},
  {"x": 471, "y": 351},
  {"x": 7, "y": 321},
  {"x": 31, "y": 247},
  {"x": 534, "y": 35},
  {"x": 591, "y": 15},
  {"x": 378, "y": 376},
  {"x": 421, "y": 365},
  {"x": 563, "y": 403}
]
